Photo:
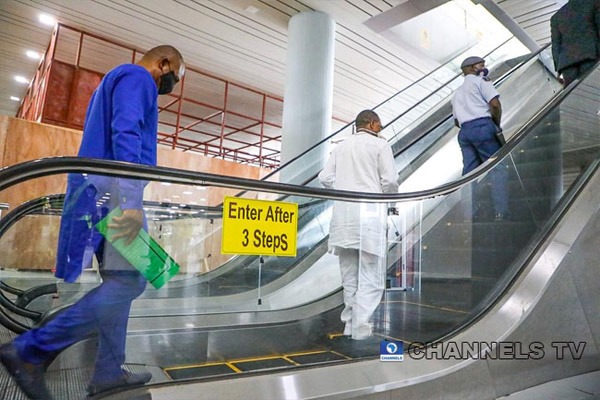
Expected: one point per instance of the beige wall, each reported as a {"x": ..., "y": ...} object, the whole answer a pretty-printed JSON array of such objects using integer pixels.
[{"x": 22, "y": 140}]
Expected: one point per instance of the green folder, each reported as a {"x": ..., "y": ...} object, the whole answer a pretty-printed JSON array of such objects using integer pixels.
[{"x": 144, "y": 253}]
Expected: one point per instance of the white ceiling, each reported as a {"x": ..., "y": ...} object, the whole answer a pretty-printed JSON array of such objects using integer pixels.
[{"x": 227, "y": 39}]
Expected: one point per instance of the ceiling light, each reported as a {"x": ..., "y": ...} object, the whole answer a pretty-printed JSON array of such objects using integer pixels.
[
  {"x": 252, "y": 9},
  {"x": 33, "y": 54},
  {"x": 47, "y": 19},
  {"x": 21, "y": 79},
  {"x": 14, "y": 98}
]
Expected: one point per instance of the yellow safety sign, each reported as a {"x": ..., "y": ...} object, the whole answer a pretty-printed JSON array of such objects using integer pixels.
[{"x": 259, "y": 227}]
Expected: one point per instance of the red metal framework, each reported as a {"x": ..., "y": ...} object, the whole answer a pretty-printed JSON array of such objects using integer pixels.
[{"x": 207, "y": 114}]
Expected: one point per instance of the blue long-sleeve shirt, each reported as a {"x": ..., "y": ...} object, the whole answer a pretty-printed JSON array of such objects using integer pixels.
[{"x": 121, "y": 124}]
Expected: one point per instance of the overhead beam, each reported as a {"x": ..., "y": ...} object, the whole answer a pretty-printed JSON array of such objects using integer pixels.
[{"x": 401, "y": 13}]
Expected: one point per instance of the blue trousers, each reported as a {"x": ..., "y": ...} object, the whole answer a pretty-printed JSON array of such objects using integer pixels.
[
  {"x": 103, "y": 310},
  {"x": 477, "y": 140}
]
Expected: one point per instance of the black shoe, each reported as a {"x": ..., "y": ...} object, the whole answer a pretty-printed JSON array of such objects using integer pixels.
[
  {"x": 129, "y": 379},
  {"x": 29, "y": 377}
]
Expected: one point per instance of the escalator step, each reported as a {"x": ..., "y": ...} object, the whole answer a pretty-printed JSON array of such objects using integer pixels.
[
  {"x": 253, "y": 364},
  {"x": 267, "y": 363},
  {"x": 202, "y": 371},
  {"x": 315, "y": 358}
]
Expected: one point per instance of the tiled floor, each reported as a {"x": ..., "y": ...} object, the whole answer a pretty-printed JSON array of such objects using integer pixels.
[{"x": 580, "y": 387}]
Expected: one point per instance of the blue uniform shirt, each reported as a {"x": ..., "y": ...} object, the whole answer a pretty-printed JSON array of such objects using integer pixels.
[
  {"x": 471, "y": 99},
  {"x": 121, "y": 124}
]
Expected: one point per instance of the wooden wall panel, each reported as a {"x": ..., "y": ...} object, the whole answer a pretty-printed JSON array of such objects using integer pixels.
[
  {"x": 58, "y": 95},
  {"x": 25, "y": 141},
  {"x": 4, "y": 121},
  {"x": 30, "y": 244},
  {"x": 84, "y": 84}
]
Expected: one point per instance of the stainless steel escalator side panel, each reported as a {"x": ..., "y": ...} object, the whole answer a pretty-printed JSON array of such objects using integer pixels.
[{"x": 435, "y": 377}]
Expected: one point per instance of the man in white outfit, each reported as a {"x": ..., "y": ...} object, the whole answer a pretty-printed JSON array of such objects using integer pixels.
[{"x": 363, "y": 163}]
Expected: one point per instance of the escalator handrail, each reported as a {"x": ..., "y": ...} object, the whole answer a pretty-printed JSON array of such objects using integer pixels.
[
  {"x": 33, "y": 293},
  {"x": 14, "y": 174},
  {"x": 24, "y": 209},
  {"x": 23, "y": 312},
  {"x": 11, "y": 324},
  {"x": 10, "y": 289},
  {"x": 498, "y": 81},
  {"x": 17, "y": 173}
]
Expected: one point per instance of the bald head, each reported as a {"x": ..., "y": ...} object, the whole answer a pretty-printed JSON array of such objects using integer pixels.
[
  {"x": 366, "y": 117},
  {"x": 162, "y": 52},
  {"x": 165, "y": 64}
]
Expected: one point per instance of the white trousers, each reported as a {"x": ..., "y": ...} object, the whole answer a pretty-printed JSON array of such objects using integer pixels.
[{"x": 363, "y": 280}]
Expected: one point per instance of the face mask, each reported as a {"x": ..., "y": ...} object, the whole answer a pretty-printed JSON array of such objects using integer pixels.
[
  {"x": 167, "y": 83},
  {"x": 483, "y": 72}
]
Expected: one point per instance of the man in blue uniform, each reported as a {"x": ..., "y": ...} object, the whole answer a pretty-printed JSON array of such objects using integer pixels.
[
  {"x": 121, "y": 124},
  {"x": 477, "y": 112}
]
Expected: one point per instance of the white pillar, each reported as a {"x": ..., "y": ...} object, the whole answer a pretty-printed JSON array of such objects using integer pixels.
[{"x": 307, "y": 102}]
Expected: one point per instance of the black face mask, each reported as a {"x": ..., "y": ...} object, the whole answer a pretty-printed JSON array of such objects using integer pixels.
[
  {"x": 483, "y": 72},
  {"x": 167, "y": 83}
]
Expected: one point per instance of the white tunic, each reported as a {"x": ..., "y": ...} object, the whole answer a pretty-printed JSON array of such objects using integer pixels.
[{"x": 361, "y": 163}]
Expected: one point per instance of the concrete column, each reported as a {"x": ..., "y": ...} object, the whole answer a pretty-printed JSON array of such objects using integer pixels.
[{"x": 307, "y": 102}]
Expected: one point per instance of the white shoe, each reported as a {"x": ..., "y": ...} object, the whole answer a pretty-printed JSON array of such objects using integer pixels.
[
  {"x": 362, "y": 332},
  {"x": 347, "y": 330}
]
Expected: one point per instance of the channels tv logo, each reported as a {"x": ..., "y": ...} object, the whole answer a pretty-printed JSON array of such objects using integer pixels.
[{"x": 391, "y": 350}]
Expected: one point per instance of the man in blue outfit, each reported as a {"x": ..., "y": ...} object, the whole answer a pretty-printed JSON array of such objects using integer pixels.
[
  {"x": 477, "y": 112},
  {"x": 121, "y": 124}
]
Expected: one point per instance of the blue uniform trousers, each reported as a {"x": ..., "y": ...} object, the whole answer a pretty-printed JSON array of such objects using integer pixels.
[
  {"x": 478, "y": 142},
  {"x": 103, "y": 310}
]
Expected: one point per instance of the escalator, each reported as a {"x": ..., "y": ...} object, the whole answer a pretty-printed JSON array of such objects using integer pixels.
[
  {"x": 562, "y": 139},
  {"x": 235, "y": 283},
  {"x": 238, "y": 277}
]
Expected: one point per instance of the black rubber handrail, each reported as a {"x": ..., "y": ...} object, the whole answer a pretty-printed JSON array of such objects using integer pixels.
[
  {"x": 10, "y": 323},
  {"x": 14, "y": 174},
  {"x": 23, "y": 312},
  {"x": 10, "y": 289},
  {"x": 33, "y": 293}
]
